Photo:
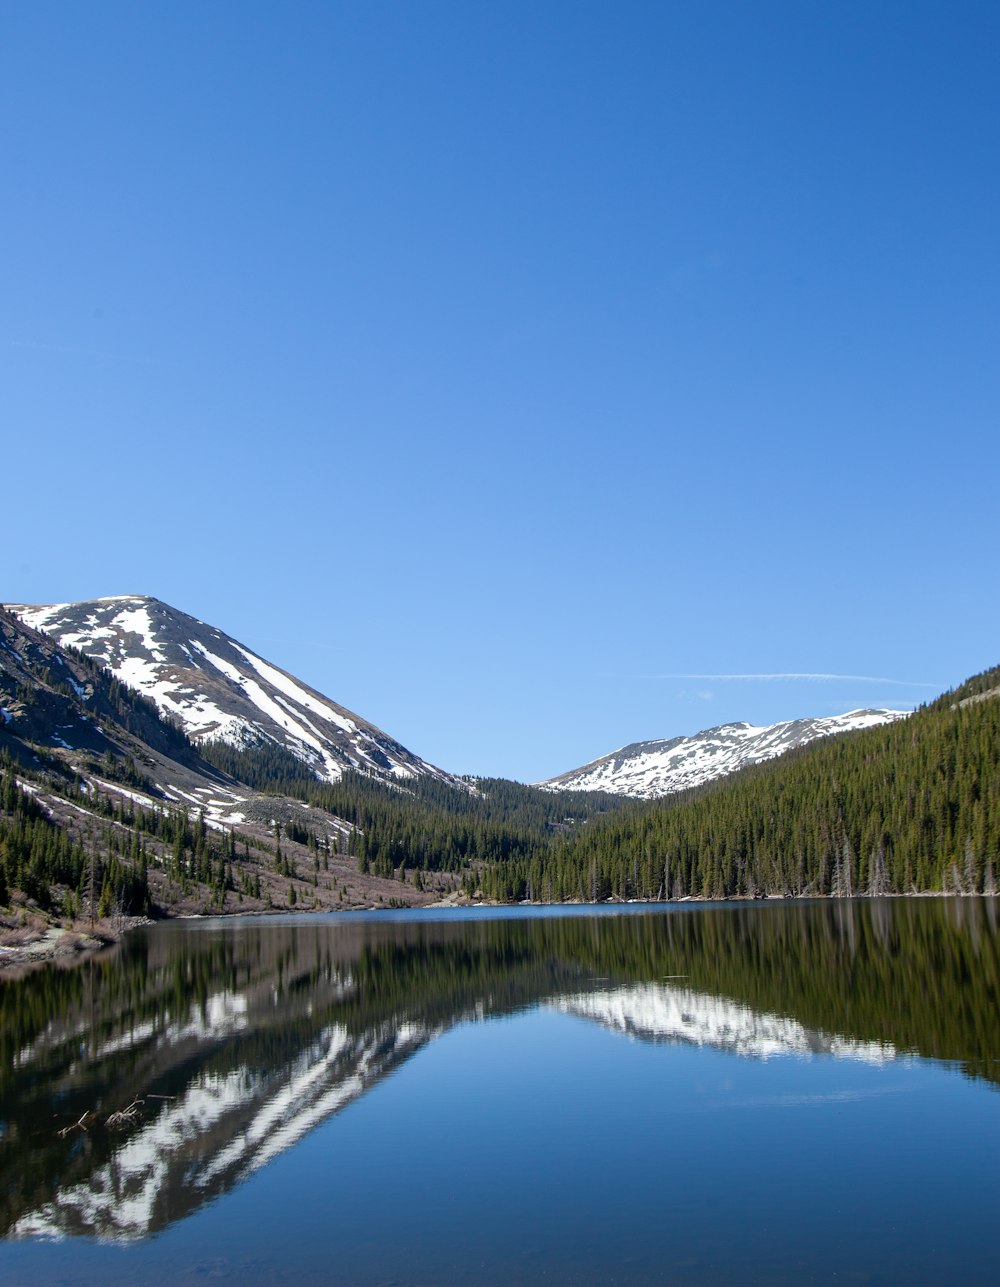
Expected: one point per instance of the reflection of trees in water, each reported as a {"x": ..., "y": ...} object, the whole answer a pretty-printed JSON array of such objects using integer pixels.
[{"x": 265, "y": 1028}]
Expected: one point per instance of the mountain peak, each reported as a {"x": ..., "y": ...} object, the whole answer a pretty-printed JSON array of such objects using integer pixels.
[{"x": 218, "y": 689}]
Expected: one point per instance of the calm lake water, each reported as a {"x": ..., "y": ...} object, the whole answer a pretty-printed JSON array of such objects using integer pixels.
[{"x": 770, "y": 1093}]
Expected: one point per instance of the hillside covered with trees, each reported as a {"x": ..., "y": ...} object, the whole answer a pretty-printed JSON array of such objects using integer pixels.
[
  {"x": 907, "y": 807},
  {"x": 426, "y": 825}
]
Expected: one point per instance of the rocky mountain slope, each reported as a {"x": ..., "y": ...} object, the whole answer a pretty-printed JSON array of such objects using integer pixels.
[
  {"x": 218, "y": 690},
  {"x": 648, "y": 770},
  {"x": 89, "y": 766}
]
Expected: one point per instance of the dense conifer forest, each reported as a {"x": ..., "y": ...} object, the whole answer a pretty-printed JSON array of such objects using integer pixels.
[
  {"x": 907, "y": 807},
  {"x": 37, "y": 854}
]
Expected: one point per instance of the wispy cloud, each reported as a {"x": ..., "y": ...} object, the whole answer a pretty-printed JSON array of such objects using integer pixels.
[{"x": 790, "y": 676}]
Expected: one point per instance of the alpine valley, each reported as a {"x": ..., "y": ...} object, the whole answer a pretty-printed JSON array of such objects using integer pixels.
[{"x": 152, "y": 765}]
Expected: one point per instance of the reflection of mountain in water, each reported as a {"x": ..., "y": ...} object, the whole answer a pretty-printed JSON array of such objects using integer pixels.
[
  {"x": 655, "y": 1012},
  {"x": 239, "y": 1039},
  {"x": 223, "y": 1127}
]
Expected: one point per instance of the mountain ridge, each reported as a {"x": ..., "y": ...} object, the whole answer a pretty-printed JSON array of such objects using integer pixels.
[{"x": 655, "y": 768}]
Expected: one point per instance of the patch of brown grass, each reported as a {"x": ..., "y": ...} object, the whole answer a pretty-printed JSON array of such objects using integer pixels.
[{"x": 18, "y": 935}]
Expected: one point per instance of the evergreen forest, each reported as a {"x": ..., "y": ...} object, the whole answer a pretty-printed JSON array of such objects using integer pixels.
[{"x": 907, "y": 807}]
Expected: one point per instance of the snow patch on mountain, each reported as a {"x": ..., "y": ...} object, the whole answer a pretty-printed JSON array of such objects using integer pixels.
[{"x": 279, "y": 714}]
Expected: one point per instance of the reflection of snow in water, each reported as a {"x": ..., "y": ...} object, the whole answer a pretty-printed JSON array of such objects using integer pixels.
[
  {"x": 220, "y": 1015},
  {"x": 119, "y": 1200},
  {"x": 657, "y": 1013},
  {"x": 222, "y": 1129}
]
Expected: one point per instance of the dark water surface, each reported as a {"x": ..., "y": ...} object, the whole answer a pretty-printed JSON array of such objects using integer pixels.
[{"x": 776, "y": 1093}]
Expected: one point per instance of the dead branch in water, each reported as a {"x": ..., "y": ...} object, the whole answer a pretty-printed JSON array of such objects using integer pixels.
[
  {"x": 124, "y": 1115},
  {"x": 82, "y": 1124}
]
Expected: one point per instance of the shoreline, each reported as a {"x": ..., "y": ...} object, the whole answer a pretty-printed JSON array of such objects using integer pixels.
[
  {"x": 65, "y": 947},
  {"x": 55, "y": 946}
]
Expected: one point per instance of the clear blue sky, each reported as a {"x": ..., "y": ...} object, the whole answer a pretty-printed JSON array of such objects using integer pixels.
[{"x": 488, "y": 366}]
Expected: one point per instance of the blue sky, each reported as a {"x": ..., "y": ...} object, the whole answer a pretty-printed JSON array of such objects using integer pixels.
[{"x": 513, "y": 373}]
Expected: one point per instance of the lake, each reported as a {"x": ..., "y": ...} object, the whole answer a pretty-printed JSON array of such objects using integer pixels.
[{"x": 689, "y": 1094}]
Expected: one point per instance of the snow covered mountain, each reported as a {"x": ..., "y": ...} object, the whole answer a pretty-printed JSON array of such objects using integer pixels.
[
  {"x": 648, "y": 770},
  {"x": 217, "y": 689}
]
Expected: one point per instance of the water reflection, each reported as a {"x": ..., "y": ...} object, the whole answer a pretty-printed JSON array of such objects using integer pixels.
[
  {"x": 667, "y": 1013},
  {"x": 224, "y": 1044}
]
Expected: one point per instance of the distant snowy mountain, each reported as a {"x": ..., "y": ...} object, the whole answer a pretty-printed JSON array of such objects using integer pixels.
[
  {"x": 648, "y": 770},
  {"x": 217, "y": 689}
]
